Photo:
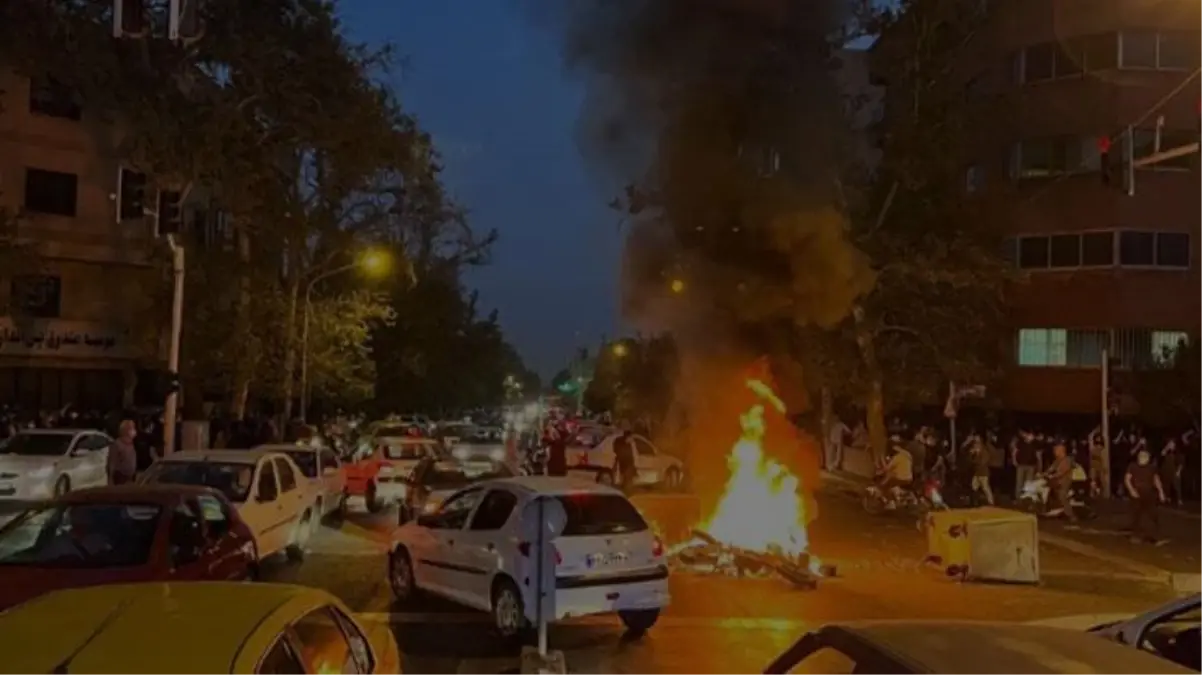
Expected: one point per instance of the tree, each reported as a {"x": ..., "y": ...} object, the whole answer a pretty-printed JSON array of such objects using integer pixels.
[
  {"x": 634, "y": 379},
  {"x": 937, "y": 305},
  {"x": 1169, "y": 394}
]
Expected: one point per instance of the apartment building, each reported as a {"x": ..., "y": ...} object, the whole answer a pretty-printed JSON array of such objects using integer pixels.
[{"x": 78, "y": 291}]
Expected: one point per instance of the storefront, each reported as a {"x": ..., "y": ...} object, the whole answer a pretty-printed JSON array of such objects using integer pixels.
[{"x": 46, "y": 364}]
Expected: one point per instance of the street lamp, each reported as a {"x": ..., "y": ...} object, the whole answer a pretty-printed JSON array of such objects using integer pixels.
[
  {"x": 619, "y": 349},
  {"x": 373, "y": 262},
  {"x": 677, "y": 286}
]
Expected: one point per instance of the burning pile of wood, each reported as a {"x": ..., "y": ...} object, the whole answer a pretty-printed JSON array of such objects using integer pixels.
[{"x": 706, "y": 555}]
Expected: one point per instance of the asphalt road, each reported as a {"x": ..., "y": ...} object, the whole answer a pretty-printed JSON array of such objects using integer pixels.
[{"x": 719, "y": 623}]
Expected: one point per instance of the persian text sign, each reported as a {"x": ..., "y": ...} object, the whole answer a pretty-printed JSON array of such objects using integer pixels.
[{"x": 63, "y": 338}]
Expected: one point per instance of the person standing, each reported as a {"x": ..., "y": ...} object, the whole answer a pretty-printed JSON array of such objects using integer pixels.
[
  {"x": 624, "y": 463},
  {"x": 1060, "y": 479},
  {"x": 980, "y": 456},
  {"x": 557, "y": 450},
  {"x": 917, "y": 447},
  {"x": 834, "y": 443},
  {"x": 121, "y": 465},
  {"x": 1146, "y": 492},
  {"x": 1025, "y": 458}
]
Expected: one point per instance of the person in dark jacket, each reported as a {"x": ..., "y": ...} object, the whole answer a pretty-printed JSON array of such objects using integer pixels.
[
  {"x": 557, "y": 450},
  {"x": 624, "y": 465}
]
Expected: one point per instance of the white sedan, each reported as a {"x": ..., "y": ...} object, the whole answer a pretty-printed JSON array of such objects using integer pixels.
[
  {"x": 471, "y": 551},
  {"x": 321, "y": 466},
  {"x": 594, "y": 453},
  {"x": 44, "y": 463},
  {"x": 269, "y": 490}
]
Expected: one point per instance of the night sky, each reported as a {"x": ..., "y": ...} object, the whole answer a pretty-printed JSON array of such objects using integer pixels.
[{"x": 491, "y": 89}]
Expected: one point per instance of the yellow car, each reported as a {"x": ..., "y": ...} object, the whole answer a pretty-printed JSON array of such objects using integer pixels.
[{"x": 194, "y": 627}]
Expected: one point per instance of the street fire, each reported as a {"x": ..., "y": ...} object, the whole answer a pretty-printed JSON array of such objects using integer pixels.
[{"x": 758, "y": 525}]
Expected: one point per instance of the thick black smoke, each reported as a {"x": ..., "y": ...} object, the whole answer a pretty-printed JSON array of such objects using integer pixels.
[{"x": 723, "y": 124}]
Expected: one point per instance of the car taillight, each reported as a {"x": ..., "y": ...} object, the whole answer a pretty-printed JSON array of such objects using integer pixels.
[
  {"x": 657, "y": 548},
  {"x": 525, "y": 548}
]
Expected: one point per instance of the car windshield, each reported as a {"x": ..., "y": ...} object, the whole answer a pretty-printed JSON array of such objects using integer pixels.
[
  {"x": 447, "y": 476},
  {"x": 37, "y": 445},
  {"x": 306, "y": 460},
  {"x": 231, "y": 479},
  {"x": 600, "y": 514},
  {"x": 81, "y": 535},
  {"x": 407, "y": 451}
]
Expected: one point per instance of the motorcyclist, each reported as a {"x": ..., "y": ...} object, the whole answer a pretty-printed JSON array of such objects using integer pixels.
[
  {"x": 1060, "y": 478},
  {"x": 898, "y": 470}
]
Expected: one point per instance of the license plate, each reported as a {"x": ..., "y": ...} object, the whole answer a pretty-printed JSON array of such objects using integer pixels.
[{"x": 605, "y": 559}]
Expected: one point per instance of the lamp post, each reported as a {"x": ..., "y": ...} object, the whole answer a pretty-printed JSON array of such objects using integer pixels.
[{"x": 373, "y": 262}]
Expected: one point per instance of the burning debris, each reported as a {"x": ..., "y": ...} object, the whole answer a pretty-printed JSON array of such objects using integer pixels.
[{"x": 706, "y": 555}]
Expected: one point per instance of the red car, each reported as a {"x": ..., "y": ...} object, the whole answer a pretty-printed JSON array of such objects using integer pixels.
[{"x": 125, "y": 534}]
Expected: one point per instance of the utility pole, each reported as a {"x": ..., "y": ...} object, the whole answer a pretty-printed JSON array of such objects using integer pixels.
[
  {"x": 177, "y": 325},
  {"x": 1106, "y": 419}
]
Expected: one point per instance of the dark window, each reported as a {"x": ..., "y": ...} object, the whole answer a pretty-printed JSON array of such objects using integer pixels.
[
  {"x": 37, "y": 295},
  {"x": 1137, "y": 248},
  {"x": 323, "y": 644},
  {"x": 1066, "y": 250},
  {"x": 1097, "y": 249},
  {"x": 1085, "y": 348},
  {"x": 53, "y": 99},
  {"x": 1038, "y": 62},
  {"x": 1033, "y": 253},
  {"x": 281, "y": 660},
  {"x": 1041, "y": 157},
  {"x": 643, "y": 447},
  {"x": 1139, "y": 49},
  {"x": 494, "y": 510},
  {"x": 592, "y": 514},
  {"x": 1178, "y": 50},
  {"x": 287, "y": 476},
  {"x": 1101, "y": 51},
  {"x": 51, "y": 192},
  {"x": 329, "y": 460},
  {"x": 1070, "y": 56},
  {"x": 1172, "y": 249},
  {"x": 185, "y": 537},
  {"x": 360, "y": 647},
  {"x": 268, "y": 490},
  {"x": 454, "y": 511}
]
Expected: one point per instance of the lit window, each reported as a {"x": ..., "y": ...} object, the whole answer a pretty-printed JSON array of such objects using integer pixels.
[
  {"x": 1042, "y": 347},
  {"x": 1165, "y": 344}
]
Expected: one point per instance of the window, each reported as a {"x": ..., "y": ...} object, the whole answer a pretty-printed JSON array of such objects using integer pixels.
[
  {"x": 1052, "y": 156},
  {"x": 329, "y": 460},
  {"x": 454, "y": 512},
  {"x": 217, "y": 521},
  {"x": 1165, "y": 344},
  {"x": 1033, "y": 253},
  {"x": 268, "y": 490},
  {"x": 51, "y": 192},
  {"x": 1065, "y": 250},
  {"x": 1101, "y": 51},
  {"x": 1138, "y": 49},
  {"x": 36, "y": 295},
  {"x": 595, "y": 514},
  {"x": 360, "y": 647},
  {"x": 494, "y": 510},
  {"x": 281, "y": 659},
  {"x": 51, "y": 98},
  {"x": 1177, "y": 50},
  {"x": 185, "y": 537},
  {"x": 1097, "y": 249},
  {"x": 287, "y": 476},
  {"x": 1085, "y": 348},
  {"x": 324, "y": 647},
  {"x": 1070, "y": 58},
  {"x": 1039, "y": 62},
  {"x": 644, "y": 447},
  {"x": 1172, "y": 249},
  {"x": 1137, "y": 249},
  {"x": 1042, "y": 347}
]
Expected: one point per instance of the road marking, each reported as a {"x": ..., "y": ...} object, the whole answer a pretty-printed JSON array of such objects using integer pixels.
[
  {"x": 1148, "y": 571},
  {"x": 469, "y": 618}
]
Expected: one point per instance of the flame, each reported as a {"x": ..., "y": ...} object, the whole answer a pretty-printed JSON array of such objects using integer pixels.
[{"x": 763, "y": 507}]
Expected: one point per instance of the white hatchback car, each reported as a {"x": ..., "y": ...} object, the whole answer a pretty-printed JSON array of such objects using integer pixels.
[
  {"x": 268, "y": 489},
  {"x": 471, "y": 551}
]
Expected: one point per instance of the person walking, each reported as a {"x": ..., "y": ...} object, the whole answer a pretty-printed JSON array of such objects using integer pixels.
[
  {"x": 121, "y": 465},
  {"x": 1147, "y": 493},
  {"x": 1025, "y": 458},
  {"x": 834, "y": 443},
  {"x": 624, "y": 463}
]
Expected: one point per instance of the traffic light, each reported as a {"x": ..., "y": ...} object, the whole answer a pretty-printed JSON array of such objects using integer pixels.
[
  {"x": 170, "y": 213},
  {"x": 131, "y": 194},
  {"x": 1105, "y": 162}
]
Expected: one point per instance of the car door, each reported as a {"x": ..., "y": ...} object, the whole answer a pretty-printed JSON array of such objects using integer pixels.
[
  {"x": 96, "y": 459},
  {"x": 293, "y": 496},
  {"x": 264, "y": 513},
  {"x": 223, "y": 547},
  {"x": 481, "y": 546},
  {"x": 438, "y": 561},
  {"x": 646, "y": 461}
]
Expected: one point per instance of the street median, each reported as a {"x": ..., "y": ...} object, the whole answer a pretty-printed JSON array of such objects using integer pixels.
[{"x": 671, "y": 516}]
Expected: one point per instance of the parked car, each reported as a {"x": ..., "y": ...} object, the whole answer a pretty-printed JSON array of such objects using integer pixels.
[
  {"x": 44, "y": 463},
  {"x": 320, "y": 464},
  {"x": 434, "y": 480},
  {"x": 203, "y": 627},
  {"x": 269, "y": 490},
  {"x": 960, "y": 647},
  {"x": 471, "y": 550},
  {"x": 382, "y": 477},
  {"x": 1172, "y": 630},
  {"x": 653, "y": 468},
  {"x": 124, "y": 534}
]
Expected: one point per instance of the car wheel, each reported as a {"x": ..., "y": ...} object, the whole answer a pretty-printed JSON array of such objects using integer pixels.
[
  {"x": 638, "y": 621},
  {"x": 674, "y": 479},
  {"x": 401, "y": 576},
  {"x": 300, "y": 538},
  {"x": 508, "y": 613},
  {"x": 62, "y": 486},
  {"x": 372, "y": 499}
]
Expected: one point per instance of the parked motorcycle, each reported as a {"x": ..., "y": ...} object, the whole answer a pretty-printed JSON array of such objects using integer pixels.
[
  {"x": 1036, "y": 494},
  {"x": 904, "y": 500}
]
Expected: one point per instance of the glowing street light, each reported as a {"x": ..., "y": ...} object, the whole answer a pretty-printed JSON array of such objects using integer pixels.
[
  {"x": 677, "y": 286},
  {"x": 619, "y": 349},
  {"x": 374, "y": 262}
]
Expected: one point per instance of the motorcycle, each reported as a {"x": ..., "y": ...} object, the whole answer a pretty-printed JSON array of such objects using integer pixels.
[
  {"x": 1036, "y": 495},
  {"x": 905, "y": 499}
]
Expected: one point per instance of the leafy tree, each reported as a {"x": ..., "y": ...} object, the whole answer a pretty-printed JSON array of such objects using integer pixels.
[{"x": 634, "y": 379}]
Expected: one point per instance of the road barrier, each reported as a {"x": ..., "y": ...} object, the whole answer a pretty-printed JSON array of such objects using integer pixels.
[{"x": 673, "y": 517}]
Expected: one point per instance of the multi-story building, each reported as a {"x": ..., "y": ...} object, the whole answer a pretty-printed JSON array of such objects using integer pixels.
[
  {"x": 1108, "y": 266},
  {"x": 78, "y": 288}
]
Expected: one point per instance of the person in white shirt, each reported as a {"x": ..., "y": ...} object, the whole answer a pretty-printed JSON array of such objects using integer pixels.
[
  {"x": 898, "y": 471},
  {"x": 834, "y": 444}
]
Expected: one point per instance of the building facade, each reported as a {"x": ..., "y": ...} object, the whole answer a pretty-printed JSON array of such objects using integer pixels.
[
  {"x": 79, "y": 287},
  {"x": 1106, "y": 266}
]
